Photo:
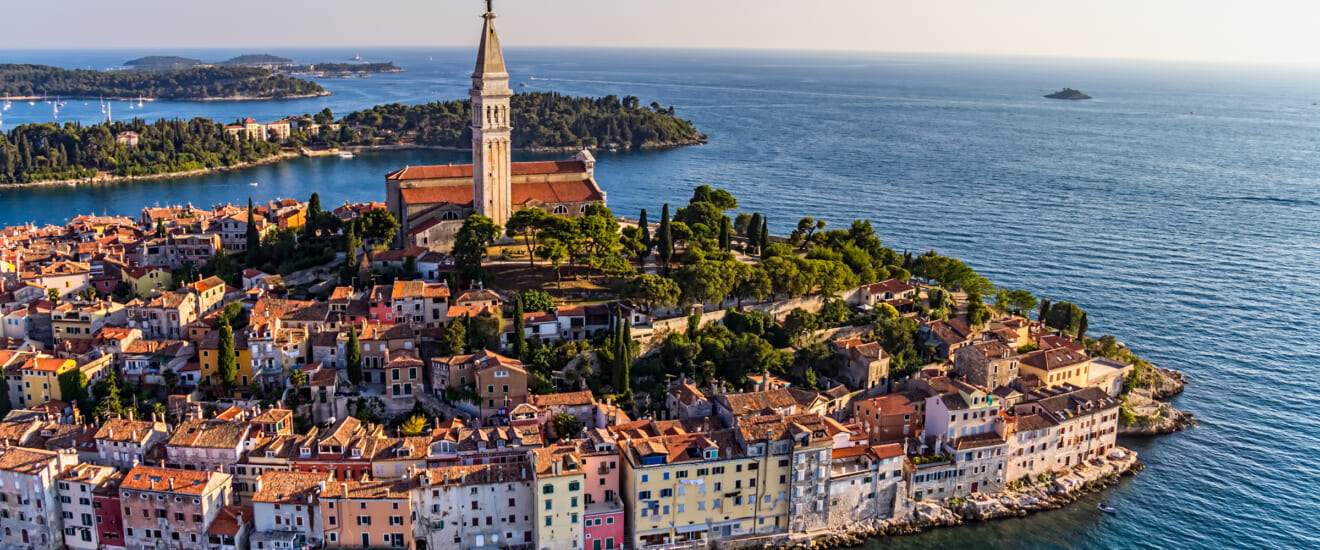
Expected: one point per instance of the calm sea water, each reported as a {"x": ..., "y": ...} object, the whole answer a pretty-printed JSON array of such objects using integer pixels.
[{"x": 1181, "y": 208}]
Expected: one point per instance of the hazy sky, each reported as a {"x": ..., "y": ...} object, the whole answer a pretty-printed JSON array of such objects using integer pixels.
[{"x": 1270, "y": 31}]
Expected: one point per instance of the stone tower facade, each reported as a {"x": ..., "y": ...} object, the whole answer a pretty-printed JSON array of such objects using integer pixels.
[{"x": 492, "y": 129}]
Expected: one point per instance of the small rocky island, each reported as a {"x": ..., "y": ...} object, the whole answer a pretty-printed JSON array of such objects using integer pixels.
[{"x": 1068, "y": 93}]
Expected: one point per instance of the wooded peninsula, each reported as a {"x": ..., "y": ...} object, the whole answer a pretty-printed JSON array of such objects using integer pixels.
[
  {"x": 32, "y": 153},
  {"x": 541, "y": 121},
  {"x": 192, "y": 84}
]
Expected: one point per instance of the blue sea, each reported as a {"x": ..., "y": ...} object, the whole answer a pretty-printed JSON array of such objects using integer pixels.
[{"x": 1180, "y": 208}]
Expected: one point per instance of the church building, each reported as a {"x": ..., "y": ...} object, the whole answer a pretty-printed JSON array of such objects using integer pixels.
[{"x": 431, "y": 202}]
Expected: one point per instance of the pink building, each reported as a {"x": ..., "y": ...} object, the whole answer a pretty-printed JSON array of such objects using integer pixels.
[
  {"x": 603, "y": 522},
  {"x": 380, "y": 304},
  {"x": 109, "y": 516}
]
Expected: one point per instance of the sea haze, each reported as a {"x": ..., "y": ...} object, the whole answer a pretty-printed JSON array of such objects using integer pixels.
[{"x": 1180, "y": 208}]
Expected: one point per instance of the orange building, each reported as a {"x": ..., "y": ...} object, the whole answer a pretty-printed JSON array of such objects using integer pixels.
[{"x": 368, "y": 514}]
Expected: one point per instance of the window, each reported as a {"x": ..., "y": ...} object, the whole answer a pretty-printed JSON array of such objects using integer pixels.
[
  {"x": 574, "y": 486},
  {"x": 547, "y": 489}
]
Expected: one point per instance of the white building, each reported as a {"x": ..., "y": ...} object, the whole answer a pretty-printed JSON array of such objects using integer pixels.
[
  {"x": 479, "y": 507},
  {"x": 75, "y": 486}
]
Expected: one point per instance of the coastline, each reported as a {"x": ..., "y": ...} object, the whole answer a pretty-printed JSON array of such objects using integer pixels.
[
  {"x": 286, "y": 155},
  {"x": 701, "y": 140},
  {"x": 169, "y": 175},
  {"x": 180, "y": 100},
  {"x": 923, "y": 516}
]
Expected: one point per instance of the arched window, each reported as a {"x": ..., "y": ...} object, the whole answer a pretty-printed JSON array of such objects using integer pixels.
[
  {"x": 561, "y": 210},
  {"x": 583, "y": 209},
  {"x": 450, "y": 215}
]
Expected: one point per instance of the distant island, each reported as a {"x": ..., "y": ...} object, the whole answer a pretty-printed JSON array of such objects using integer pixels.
[
  {"x": 334, "y": 69},
  {"x": 46, "y": 152},
  {"x": 258, "y": 60},
  {"x": 191, "y": 84},
  {"x": 1068, "y": 93},
  {"x": 162, "y": 62}
]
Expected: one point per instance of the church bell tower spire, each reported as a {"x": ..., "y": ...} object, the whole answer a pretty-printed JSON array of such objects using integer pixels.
[{"x": 491, "y": 127}]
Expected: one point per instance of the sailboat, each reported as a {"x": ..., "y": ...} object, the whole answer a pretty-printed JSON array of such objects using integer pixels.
[
  {"x": 8, "y": 103},
  {"x": 139, "y": 101}
]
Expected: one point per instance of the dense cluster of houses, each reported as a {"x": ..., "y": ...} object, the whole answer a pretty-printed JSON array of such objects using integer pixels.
[{"x": 1006, "y": 401}]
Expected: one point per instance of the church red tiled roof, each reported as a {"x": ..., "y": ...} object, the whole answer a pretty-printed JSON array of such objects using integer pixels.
[
  {"x": 554, "y": 192},
  {"x": 520, "y": 193},
  {"x": 465, "y": 170}
]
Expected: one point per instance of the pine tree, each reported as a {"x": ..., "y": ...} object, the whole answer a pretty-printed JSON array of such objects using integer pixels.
[
  {"x": 519, "y": 328},
  {"x": 226, "y": 368},
  {"x": 111, "y": 406},
  {"x": 253, "y": 238},
  {"x": 754, "y": 234},
  {"x": 666, "y": 246},
  {"x": 353, "y": 356}
]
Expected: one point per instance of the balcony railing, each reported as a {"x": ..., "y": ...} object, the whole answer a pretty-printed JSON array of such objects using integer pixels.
[{"x": 681, "y": 545}]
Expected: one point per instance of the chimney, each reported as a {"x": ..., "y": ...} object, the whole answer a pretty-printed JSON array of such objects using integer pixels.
[
  {"x": 171, "y": 484},
  {"x": 343, "y": 490},
  {"x": 240, "y": 518}
]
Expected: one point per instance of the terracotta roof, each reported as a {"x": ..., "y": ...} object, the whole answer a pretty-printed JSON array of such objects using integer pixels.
[
  {"x": 283, "y": 487},
  {"x": 465, "y": 170},
  {"x": 564, "y": 399},
  {"x": 888, "y": 450},
  {"x": 46, "y": 364},
  {"x": 86, "y": 473},
  {"x": 228, "y": 521},
  {"x": 554, "y": 192},
  {"x": 147, "y": 478},
  {"x": 125, "y": 430},
  {"x": 1051, "y": 359},
  {"x": 25, "y": 461},
  {"x": 460, "y": 195},
  {"x": 395, "y": 489}
]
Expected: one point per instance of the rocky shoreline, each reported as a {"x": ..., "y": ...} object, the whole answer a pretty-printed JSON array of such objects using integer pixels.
[
  {"x": 1150, "y": 415},
  {"x": 1065, "y": 489},
  {"x": 168, "y": 175}
]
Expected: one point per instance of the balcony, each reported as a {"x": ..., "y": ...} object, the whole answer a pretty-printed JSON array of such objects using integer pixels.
[{"x": 680, "y": 545}]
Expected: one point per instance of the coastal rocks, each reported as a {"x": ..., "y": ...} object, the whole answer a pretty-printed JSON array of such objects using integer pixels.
[
  {"x": 1158, "y": 418},
  {"x": 1066, "y": 488},
  {"x": 1171, "y": 383}
]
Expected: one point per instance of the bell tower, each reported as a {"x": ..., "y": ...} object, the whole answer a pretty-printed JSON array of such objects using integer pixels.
[{"x": 491, "y": 127}]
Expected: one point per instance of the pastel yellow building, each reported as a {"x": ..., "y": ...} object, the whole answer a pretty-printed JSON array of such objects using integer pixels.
[
  {"x": 690, "y": 489},
  {"x": 1056, "y": 367},
  {"x": 209, "y": 356},
  {"x": 41, "y": 378},
  {"x": 148, "y": 279}
]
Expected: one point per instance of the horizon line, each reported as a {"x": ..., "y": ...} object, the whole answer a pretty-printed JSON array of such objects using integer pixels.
[{"x": 739, "y": 49}]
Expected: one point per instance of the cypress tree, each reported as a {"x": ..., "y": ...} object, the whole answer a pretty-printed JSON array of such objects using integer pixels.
[
  {"x": 314, "y": 206},
  {"x": 645, "y": 228},
  {"x": 226, "y": 367},
  {"x": 353, "y": 356},
  {"x": 253, "y": 237},
  {"x": 666, "y": 246},
  {"x": 754, "y": 233},
  {"x": 625, "y": 352},
  {"x": 1043, "y": 313},
  {"x": 765, "y": 235},
  {"x": 1082, "y": 325},
  {"x": 726, "y": 230},
  {"x": 519, "y": 328}
]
